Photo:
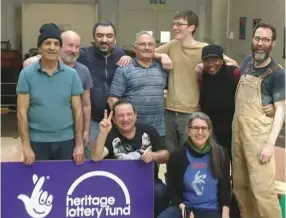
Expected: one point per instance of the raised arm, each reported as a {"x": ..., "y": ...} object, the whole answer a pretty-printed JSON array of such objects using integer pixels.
[{"x": 98, "y": 150}]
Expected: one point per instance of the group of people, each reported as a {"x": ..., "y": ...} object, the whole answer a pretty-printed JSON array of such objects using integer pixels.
[{"x": 97, "y": 102}]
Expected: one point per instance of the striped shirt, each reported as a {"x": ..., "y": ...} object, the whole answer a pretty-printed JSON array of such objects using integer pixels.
[{"x": 144, "y": 87}]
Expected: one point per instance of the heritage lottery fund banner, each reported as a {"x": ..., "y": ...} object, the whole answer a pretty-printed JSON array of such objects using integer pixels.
[{"x": 58, "y": 189}]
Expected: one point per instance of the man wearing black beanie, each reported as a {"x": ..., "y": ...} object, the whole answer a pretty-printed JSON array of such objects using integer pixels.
[
  {"x": 49, "y": 106},
  {"x": 49, "y": 30}
]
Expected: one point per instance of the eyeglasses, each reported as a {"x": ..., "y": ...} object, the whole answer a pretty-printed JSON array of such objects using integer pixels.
[
  {"x": 178, "y": 24},
  {"x": 263, "y": 40},
  {"x": 145, "y": 44},
  {"x": 197, "y": 128}
]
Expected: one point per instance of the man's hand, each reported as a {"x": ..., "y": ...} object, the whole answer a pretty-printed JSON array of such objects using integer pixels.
[
  {"x": 266, "y": 154},
  {"x": 234, "y": 63},
  {"x": 199, "y": 69},
  {"x": 166, "y": 62},
  {"x": 124, "y": 61},
  {"x": 147, "y": 155},
  {"x": 269, "y": 110},
  {"x": 78, "y": 155},
  {"x": 85, "y": 138},
  {"x": 29, "y": 155},
  {"x": 31, "y": 60},
  {"x": 183, "y": 207},
  {"x": 106, "y": 125}
]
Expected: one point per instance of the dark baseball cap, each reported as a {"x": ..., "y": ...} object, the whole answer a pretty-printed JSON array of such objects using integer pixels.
[{"x": 212, "y": 51}]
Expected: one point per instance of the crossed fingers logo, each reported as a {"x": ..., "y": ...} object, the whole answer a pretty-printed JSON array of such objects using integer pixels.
[{"x": 39, "y": 204}]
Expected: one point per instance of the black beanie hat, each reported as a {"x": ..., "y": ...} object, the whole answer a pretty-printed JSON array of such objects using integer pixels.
[{"x": 49, "y": 30}]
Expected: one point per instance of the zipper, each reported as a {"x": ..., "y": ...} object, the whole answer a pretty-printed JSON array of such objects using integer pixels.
[{"x": 105, "y": 70}]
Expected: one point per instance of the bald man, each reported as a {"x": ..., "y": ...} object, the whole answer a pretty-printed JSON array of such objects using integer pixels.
[{"x": 69, "y": 54}]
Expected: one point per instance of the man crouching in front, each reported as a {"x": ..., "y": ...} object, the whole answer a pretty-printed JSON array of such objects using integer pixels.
[{"x": 128, "y": 140}]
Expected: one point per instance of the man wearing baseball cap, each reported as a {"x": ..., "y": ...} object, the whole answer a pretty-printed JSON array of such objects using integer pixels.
[
  {"x": 217, "y": 90},
  {"x": 49, "y": 106}
]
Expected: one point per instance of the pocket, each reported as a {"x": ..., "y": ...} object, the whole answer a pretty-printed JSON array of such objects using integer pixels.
[{"x": 262, "y": 125}]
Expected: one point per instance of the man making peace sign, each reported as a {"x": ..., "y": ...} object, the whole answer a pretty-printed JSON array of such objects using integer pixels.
[{"x": 128, "y": 140}]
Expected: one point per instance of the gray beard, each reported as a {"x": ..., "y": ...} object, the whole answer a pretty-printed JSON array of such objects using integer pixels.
[{"x": 260, "y": 57}]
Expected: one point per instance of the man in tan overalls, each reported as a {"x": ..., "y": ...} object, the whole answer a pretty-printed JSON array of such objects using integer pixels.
[{"x": 254, "y": 134}]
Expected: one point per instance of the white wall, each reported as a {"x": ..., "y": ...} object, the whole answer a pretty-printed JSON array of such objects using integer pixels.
[
  {"x": 272, "y": 11},
  {"x": 218, "y": 21},
  {"x": 131, "y": 16},
  {"x": 80, "y": 17},
  {"x": 11, "y": 18},
  {"x": 8, "y": 22}
]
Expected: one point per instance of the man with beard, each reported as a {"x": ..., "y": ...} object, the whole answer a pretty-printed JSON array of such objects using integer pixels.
[
  {"x": 101, "y": 59},
  {"x": 218, "y": 84},
  {"x": 142, "y": 82},
  {"x": 254, "y": 134},
  {"x": 217, "y": 90},
  {"x": 69, "y": 54},
  {"x": 127, "y": 132}
]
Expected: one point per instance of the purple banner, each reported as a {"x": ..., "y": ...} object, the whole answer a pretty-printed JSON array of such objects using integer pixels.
[{"x": 58, "y": 189}]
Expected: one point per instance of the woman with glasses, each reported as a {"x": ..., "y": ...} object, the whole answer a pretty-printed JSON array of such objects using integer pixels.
[{"x": 198, "y": 174}]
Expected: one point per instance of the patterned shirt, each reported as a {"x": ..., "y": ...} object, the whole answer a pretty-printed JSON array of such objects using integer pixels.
[{"x": 144, "y": 87}]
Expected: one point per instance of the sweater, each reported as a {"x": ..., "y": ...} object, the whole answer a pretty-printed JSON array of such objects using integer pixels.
[
  {"x": 217, "y": 101},
  {"x": 101, "y": 69},
  {"x": 176, "y": 168}
]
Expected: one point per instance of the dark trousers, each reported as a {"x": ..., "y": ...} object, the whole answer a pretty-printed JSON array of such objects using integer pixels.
[
  {"x": 161, "y": 200},
  {"x": 53, "y": 150},
  {"x": 175, "y": 212},
  {"x": 224, "y": 138}
]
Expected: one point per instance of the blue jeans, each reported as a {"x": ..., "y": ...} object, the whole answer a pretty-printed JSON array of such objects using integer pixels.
[
  {"x": 175, "y": 212},
  {"x": 94, "y": 130},
  {"x": 53, "y": 150},
  {"x": 161, "y": 200}
]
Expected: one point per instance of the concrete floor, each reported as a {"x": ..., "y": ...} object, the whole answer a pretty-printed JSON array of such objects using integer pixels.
[{"x": 11, "y": 146}]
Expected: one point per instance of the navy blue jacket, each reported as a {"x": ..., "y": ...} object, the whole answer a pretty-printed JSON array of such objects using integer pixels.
[{"x": 101, "y": 69}]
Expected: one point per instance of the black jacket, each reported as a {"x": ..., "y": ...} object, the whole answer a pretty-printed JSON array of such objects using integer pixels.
[
  {"x": 101, "y": 69},
  {"x": 176, "y": 168}
]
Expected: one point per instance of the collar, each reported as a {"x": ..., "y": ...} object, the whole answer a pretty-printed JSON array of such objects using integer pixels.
[
  {"x": 60, "y": 66},
  {"x": 136, "y": 64}
]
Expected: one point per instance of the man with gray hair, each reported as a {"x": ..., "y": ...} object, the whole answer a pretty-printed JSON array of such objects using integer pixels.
[
  {"x": 142, "y": 82},
  {"x": 68, "y": 55}
]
